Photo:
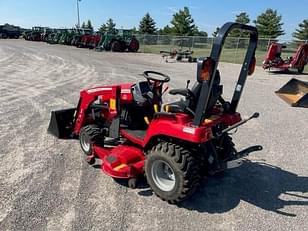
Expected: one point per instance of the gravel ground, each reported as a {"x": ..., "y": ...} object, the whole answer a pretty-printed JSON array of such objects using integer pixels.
[{"x": 45, "y": 184}]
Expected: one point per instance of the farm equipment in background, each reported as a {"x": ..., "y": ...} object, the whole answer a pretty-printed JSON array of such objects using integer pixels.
[
  {"x": 181, "y": 51},
  {"x": 174, "y": 145},
  {"x": 36, "y": 34},
  {"x": 55, "y": 37},
  {"x": 10, "y": 31},
  {"x": 118, "y": 40},
  {"x": 90, "y": 40},
  {"x": 45, "y": 33},
  {"x": 178, "y": 55},
  {"x": 297, "y": 61},
  {"x": 82, "y": 36},
  {"x": 76, "y": 39},
  {"x": 66, "y": 37},
  {"x": 295, "y": 93}
]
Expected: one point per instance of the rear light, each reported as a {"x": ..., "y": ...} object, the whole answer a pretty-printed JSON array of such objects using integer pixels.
[
  {"x": 206, "y": 70},
  {"x": 252, "y": 66}
]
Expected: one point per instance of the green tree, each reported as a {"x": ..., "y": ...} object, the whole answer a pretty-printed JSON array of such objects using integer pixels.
[
  {"x": 134, "y": 30},
  {"x": 147, "y": 25},
  {"x": 183, "y": 23},
  {"x": 214, "y": 34},
  {"x": 108, "y": 26},
  {"x": 83, "y": 26},
  {"x": 167, "y": 30},
  {"x": 301, "y": 32},
  {"x": 269, "y": 24},
  {"x": 200, "y": 33},
  {"x": 242, "y": 18},
  {"x": 89, "y": 25}
]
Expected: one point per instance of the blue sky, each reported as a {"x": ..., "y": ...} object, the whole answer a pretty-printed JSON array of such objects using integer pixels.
[{"x": 207, "y": 14}]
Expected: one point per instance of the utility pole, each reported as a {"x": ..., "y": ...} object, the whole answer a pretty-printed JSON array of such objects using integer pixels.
[{"x": 78, "y": 13}]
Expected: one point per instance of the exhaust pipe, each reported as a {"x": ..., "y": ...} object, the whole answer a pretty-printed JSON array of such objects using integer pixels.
[
  {"x": 295, "y": 93},
  {"x": 61, "y": 123}
]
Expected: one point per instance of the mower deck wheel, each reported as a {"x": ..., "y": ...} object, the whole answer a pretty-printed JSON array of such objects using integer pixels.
[
  {"x": 132, "y": 183},
  {"x": 172, "y": 172}
]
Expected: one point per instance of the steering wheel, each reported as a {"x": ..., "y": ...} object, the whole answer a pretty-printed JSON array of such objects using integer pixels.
[{"x": 159, "y": 77}]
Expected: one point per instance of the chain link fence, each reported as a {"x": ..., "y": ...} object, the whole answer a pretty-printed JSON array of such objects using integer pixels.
[{"x": 233, "y": 52}]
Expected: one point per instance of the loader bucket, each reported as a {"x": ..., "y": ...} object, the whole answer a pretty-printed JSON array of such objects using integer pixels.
[
  {"x": 295, "y": 93},
  {"x": 61, "y": 123}
]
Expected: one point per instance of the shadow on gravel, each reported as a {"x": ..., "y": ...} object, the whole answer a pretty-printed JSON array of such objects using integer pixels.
[
  {"x": 257, "y": 183},
  {"x": 286, "y": 72}
]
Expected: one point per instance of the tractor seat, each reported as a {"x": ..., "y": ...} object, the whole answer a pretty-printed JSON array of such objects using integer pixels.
[{"x": 189, "y": 105}]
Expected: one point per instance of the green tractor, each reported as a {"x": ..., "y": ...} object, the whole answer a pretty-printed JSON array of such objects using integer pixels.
[
  {"x": 55, "y": 37},
  {"x": 118, "y": 40},
  {"x": 35, "y": 34},
  {"x": 67, "y": 36},
  {"x": 76, "y": 39}
]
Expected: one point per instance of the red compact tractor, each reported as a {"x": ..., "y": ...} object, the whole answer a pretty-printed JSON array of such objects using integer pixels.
[
  {"x": 297, "y": 61},
  {"x": 173, "y": 145}
]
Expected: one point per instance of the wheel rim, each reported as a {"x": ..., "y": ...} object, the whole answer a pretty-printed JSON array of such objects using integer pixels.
[
  {"x": 163, "y": 175},
  {"x": 85, "y": 142}
]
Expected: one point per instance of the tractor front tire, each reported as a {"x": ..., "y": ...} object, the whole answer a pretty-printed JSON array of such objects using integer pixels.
[
  {"x": 172, "y": 172},
  {"x": 90, "y": 134},
  {"x": 116, "y": 46}
]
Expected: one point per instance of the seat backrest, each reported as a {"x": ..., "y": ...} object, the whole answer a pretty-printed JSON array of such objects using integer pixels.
[{"x": 216, "y": 92}]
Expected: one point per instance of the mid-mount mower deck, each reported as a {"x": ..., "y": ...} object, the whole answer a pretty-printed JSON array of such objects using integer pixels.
[{"x": 174, "y": 145}]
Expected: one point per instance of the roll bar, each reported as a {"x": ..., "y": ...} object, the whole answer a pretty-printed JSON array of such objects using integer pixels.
[{"x": 206, "y": 86}]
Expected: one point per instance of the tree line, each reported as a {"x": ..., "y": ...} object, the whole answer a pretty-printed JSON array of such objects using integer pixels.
[{"x": 268, "y": 23}]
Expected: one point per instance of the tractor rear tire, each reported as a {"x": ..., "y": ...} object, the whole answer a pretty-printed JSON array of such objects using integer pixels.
[
  {"x": 172, "y": 172},
  {"x": 116, "y": 46},
  {"x": 90, "y": 134},
  {"x": 107, "y": 46},
  {"x": 133, "y": 45}
]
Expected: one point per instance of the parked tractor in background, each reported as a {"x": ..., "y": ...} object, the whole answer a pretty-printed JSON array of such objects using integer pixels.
[
  {"x": 34, "y": 34},
  {"x": 118, "y": 40},
  {"x": 46, "y": 32},
  {"x": 79, "y": 37},
  {"x": 55, "y": 37},
  {"x": 9, "y": 31},
  {"x": 67, "y": 36},
  {"x": 90, "y": 40}
]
